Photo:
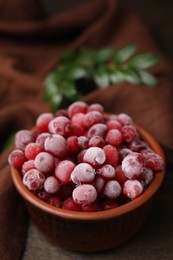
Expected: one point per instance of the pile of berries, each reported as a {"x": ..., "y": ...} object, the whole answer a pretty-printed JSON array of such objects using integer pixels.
[{"x": 79, "y": 159}]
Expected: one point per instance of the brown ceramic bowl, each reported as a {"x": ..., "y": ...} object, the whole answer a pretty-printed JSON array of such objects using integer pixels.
[{"x": 92, "y": 231}]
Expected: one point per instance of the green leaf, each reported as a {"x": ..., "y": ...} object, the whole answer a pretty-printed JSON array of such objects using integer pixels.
[
  {"x": 68, "y": 89},
  {"x": 117, "y": 77},
  {"x": 125, "y": 53},
  {"x": 132, "y": 77},
  {"x": 148, "y": 78},
  {"x": 143, "y": 61},
  {"x": 56, "y": 102},
  {"x": 103, "y": 55},
  {"x": 101, "y": 77},
  {"x": 78, "y": 73},
  {"x": 67, "y": 56}
]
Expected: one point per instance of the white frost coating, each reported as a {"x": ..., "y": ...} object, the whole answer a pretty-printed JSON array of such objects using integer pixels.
[
  {"x": 132, "y": 189},
  {"x": 83, "y": 173},
  {"x": 84, "y": 194},
  {"x": 94, "y": 156},
  {"x": 112, "y": 189},
  {"x": 131, "y": 166}
]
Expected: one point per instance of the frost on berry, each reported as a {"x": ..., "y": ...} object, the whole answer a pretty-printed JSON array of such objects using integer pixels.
[
  {"x": 114, "y": 137},
  {"x": 94, "y": 156},
  {"x": 124, "y": 119},
  {"x": 112, "y": 189},
  {"x": 83, "y": 173},
  {"x": 28, "y": 165},
  {"x": 43, "y": 121},
  {"x": 132, "y": 165},
  {"x": 51, "y": 184},
  {"x": 31, "y": 150},
  {"x": 45, "y": 162},
  {"x": 16, "y": 158},
  {"x": 84, "y": 194},
  {"x": 22, "y": 138},
  {"x": 97, "y": 130},
  {"x": 107, "y": 171},
  {"x": 34, "y": 179},
  {"x": 129, "y": 133},
  {"x": 63, "y": 171},
  {"x": 60, "y": 125},
  {"x": 41, "y": 139},
  {"x": 56, "y": 144},
  {"x": 95, "y": 107},
  {"x": 77, "y": 107},
  {"x": 92, "y": 118},
  {"x": 132, "y": 189}
]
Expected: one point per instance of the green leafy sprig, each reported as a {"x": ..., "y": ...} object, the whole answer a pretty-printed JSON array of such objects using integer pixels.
[{"x": 104, "y": 67}]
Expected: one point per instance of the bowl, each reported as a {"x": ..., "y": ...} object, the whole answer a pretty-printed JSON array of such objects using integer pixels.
[{"x": 92, "y": 231}]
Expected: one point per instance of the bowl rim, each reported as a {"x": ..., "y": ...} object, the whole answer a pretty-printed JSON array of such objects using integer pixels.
[{"x": 97, "y": 215}]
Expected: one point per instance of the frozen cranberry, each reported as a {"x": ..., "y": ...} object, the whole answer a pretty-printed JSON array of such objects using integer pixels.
[
  {"x": 63, "y": 171},
  {"x": 113, "y": 124},
  {"x": 106, "y": 171},
  {"x": 94, "y": 156},
  {"x": 77, "y": 107},
  {"x": 43, "y": 121},
  {"x": 114, "y": 137},
  {"x": 124, "y": 119},
  {"x": 119, "y": 175},
  {"x": 78, "y": 119},
  {"x": 132, "y": 189},
  {"x": 22, "y": 138},
  {"x": 51, "y": 184},
  {"x": 43, "y": 195},
  {"x": 16, "y": 158},
  {"x": 41, "y": 139},
  {"x": 61, "y": 112},
  {"x": 94, "y": 206},
  {"x": 77, "y": 129},
  {"x": 137, "y": 145},
  {"x": 84, "y": 194},
  {"x": 129, "y": 133},
  {"x": 96, "y": 141},
  {"x": 112, "y": 155},
  {"x": 147, "y": 175},
  {"x": 28, "y": 165},
  {"x": 31, "y": 150},
  {"x": 92, "y": 118},
  {"x": 60, "y": 125},
  {"x": 83, "y": 173},
  {"x": 154, "y": 161},
  {"x": 132, "y": 165},
  {"x": 95, "y": 107},
  {"x": 72, "y": 144},
  {"x": 109, "y": 204},
  {"x": 81, "y": 155},
  {"x": 34, "y": 179},
  {"x": 123, "y": 152},
  {"x": 55, "y": 200},
  {"x": 98, "y": 183},
  {"x": 97, "y": 129},
  {"x": 45, "y": 162},
  {"x": 112, "y": 189},
  {"x": 56, "y": 144},
  {"x": 70, "y": 204},
  {"x": 83, "y": 142}
]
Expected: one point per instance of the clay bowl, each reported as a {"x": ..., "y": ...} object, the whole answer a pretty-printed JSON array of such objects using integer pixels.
[{"x": 92, "y": 231}]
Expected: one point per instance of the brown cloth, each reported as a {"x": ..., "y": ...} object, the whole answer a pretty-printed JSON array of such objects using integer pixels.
[{"x": 29, "y": 46}]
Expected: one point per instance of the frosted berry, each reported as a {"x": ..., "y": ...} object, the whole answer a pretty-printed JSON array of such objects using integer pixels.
[
  {"x": 72, "y": 144},
  {"x": 70, "y": 204},
  {"x": 97, "y": 129},
  {"x": 94, "y": 156},
  {"x": 41, "y": 139},
  {"x": 51, "y": 184},
  {"x": 16, "y": 158},
  {"x": 132, "y": 165},
  {"x": 60, "y": 125},
  {"x": 43, "y": 121},
  {"x": 77, "y": 107},
  {"x": 107, "y": 171},
  {"x": 83, "y": 173},
  {"x": 45, "y": 162},
  {"x": 55, "y": 201},
  {"x": 98, "y": 183},
  {"x": 92, "y": 118},
  {"x": 112, "y": 156},
  {"x": 129, "y": 133},
  {"x": 31, "y": 150},
  {"x": 95, "y": 107},
  {"x": 113, "y": 124},
  {"x": 96, "y": 141},
  {"x": 124, "y": 119},
  {"x": 112, "y": 189},
  {"x": 28, "y": 165},
  {"x": 56, "y": 144},
  {"x": 22, "y": 138},
  {"x": 84, "y": 194},
  {"x": 147, "y": 176},
  {"x": 132, "y": 189},
  {"x": 114, "y": 137},
  {"x": 34, "y": 179},
  {"x": 63, "y": 171}
]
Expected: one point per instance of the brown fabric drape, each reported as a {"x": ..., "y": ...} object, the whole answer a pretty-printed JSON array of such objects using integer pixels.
[{"x": 29, "y": 46}]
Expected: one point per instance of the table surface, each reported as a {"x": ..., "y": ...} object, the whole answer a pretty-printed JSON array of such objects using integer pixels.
[{"x": 155, "y": 239}]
